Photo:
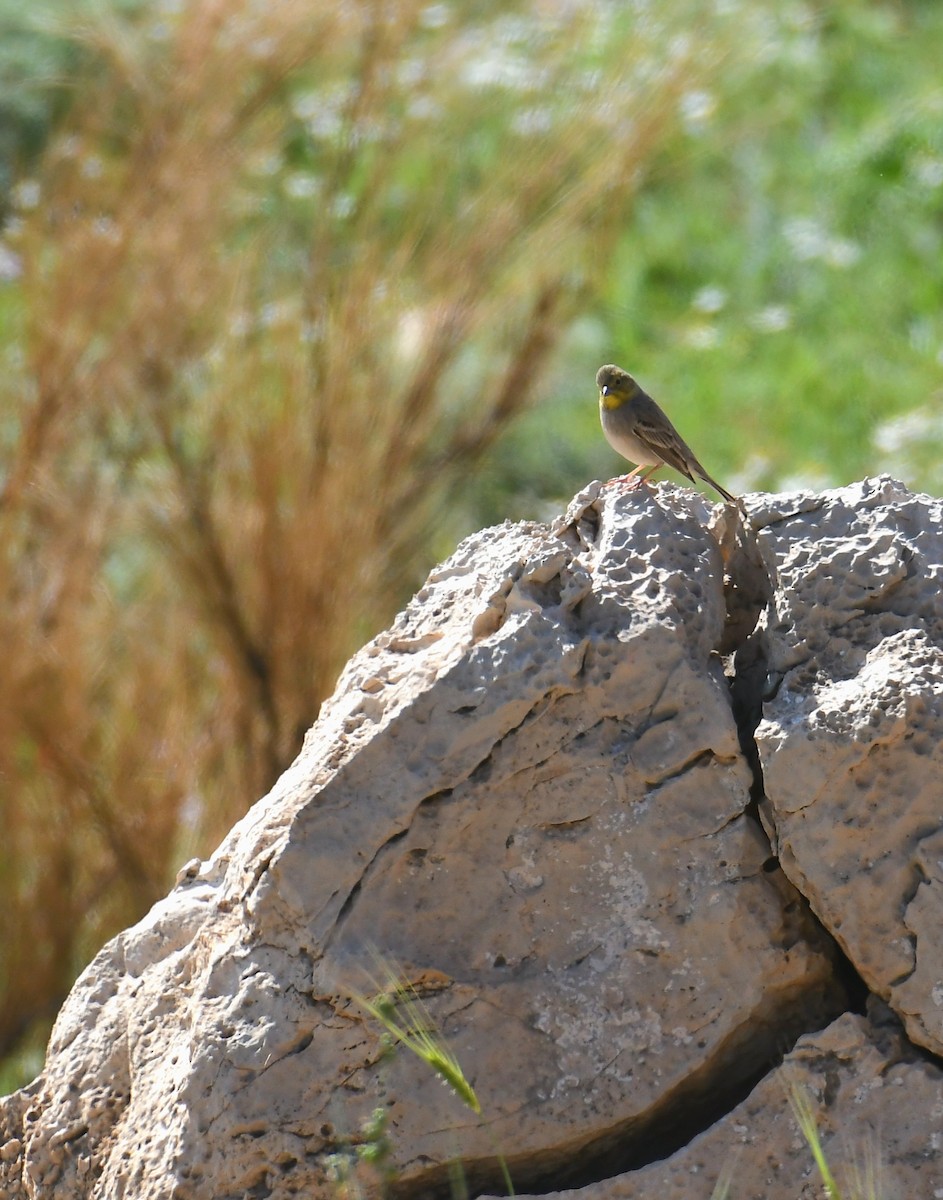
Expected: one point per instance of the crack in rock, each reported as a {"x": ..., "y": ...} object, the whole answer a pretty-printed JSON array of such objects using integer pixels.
[{"x": 536, "y": 796}]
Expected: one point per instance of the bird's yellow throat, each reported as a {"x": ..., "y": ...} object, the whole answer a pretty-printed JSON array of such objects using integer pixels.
[{"x": 612, "y": 400}]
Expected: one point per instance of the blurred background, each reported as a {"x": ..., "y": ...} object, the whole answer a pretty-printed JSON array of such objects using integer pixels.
[{"x": 295, "y": 295}]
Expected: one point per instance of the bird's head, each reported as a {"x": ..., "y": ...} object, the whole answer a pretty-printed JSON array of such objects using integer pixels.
[{"x": 615, "y": 386}]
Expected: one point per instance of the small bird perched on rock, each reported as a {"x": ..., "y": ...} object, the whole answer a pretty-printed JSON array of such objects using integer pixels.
[{"x": 636, "y": 427}]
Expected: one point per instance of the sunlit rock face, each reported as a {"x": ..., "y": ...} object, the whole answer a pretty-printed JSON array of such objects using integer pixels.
[
  {"x": 852, "y": 742},
  {"x": 639, "y": 804}
]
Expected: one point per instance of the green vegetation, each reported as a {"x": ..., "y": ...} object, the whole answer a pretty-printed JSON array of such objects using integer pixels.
[
  {"x": 778, "y": 288},
  {"x": 293, "y": 296},
  {"x": 400, "y": 1011},
  {"x": 365, "y": 1163},
  {"x": 861, "y": 1182},
  {"x": 369, "y": 1154}
]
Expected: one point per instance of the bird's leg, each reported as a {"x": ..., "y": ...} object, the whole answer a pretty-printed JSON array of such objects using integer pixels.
[
  {"x": 651, "y": 470},
  {"x": 631, "y": 481}
]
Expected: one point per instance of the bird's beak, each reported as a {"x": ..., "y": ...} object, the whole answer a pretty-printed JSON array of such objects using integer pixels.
[{"x": 604, "y": 391}]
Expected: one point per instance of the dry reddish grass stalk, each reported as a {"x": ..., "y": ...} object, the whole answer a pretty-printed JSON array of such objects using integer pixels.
[{"x": 239, "y": 417}]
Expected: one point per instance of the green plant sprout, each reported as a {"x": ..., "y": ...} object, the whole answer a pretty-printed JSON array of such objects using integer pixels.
[
  {"x": 375, "y": 1151},
  {"x": 802, "y": 1110},
  {"x": 399, "y": 1008},
  {"x": 863, "y": 1184}
]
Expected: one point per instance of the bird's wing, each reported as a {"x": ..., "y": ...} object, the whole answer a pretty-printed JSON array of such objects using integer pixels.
[{"x": 655, "y": 430}]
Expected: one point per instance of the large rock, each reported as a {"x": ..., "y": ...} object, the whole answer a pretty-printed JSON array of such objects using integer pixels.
[
  {"x": 875, "y": 1101},
  {"x": 852, "y": 741},
  {"x": 531, "y": 796}
]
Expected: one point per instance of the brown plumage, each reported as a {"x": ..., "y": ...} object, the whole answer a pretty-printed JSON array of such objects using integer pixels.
[{"x": 636, "y": 427}]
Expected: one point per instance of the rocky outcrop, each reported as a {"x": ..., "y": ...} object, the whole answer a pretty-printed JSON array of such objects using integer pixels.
[
  {"x": 852, "y": 741},
  {"x": 876, "y": 1103},
  {"x": 643, "y": 806}
]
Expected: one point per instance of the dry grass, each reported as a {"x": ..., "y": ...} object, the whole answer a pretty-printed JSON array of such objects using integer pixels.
[{"x": 290, "y": 276}]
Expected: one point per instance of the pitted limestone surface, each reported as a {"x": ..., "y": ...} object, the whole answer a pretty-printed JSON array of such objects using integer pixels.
[
  {"x": 852, "y": 743},
  {"x": 869, "y": 1093},
  {"x": 529, "y": 795}
]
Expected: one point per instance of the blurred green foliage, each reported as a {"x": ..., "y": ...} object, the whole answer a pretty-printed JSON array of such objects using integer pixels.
[
  {"x": 780, "y": 287},
  {"x": 39, "y": 58},
  {"x": 32, "y": 60}
]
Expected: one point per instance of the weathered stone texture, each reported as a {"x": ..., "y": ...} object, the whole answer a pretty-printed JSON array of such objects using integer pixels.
[
  {"x": 877, "y": 1105},
  {"x": 852, "y": 742},
  {"x": 531, "y": 796}
]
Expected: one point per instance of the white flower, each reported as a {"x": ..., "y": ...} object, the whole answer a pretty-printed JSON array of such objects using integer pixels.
[
  {"x": 842, "y": 253},
  {"x": 10, "y": 264},
  {"x": 774, "y": 318},
  {"x": 927, "y": 169},
  {"x": 25, "y": 194},
  {"x": 532, "y": 121},
  {"x": 909, "y": 429},
  {"x": 809, "y": 239},
  {"x": 697, "y": 108},
  {"x": 434, "y": 16},
  {"x": 301, "y": 186},
  {"x": 701, "y": 337},
  {"x": 710, "y": 299},
  {"x": 806, "y": 237}
]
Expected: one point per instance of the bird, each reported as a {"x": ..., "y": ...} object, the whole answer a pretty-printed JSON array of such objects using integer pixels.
[{"x": 636, "y": 427}]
